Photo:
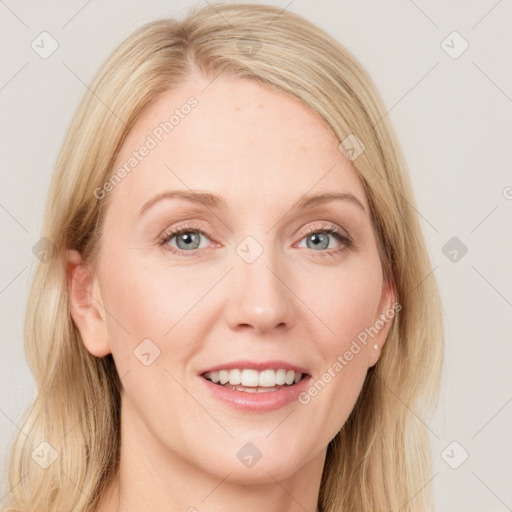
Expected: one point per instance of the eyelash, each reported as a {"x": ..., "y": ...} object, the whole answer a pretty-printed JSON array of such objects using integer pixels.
[{"x": 331, "y": 230}]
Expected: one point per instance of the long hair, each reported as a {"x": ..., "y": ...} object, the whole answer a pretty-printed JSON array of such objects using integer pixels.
[{"x": 380, "y": 460}]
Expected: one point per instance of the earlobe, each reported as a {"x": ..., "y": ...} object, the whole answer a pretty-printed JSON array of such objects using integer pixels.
[
  {"x": 86, "y": 305},
  {"x": 383, "y": 321}
]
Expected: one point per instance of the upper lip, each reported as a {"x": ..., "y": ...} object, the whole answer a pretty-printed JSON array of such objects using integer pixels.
[{"x": 255, "y": 365}]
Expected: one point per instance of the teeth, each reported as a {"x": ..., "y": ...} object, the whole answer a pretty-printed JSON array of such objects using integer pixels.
[
  {"x": 223, "y": 376},
  {"x": 253, "y": 378},
  {"x": 249, "y": 378},
  {"x": 267, "y": 378},
  {"x": 235, "y": 377},
  {"x": 280, "y": 377}
]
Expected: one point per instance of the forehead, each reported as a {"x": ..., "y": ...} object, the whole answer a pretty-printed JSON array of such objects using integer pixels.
[{"x": 240, "y": 139}]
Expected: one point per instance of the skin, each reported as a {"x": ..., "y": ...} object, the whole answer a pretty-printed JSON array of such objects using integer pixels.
[{"x": 261, "y": 150}]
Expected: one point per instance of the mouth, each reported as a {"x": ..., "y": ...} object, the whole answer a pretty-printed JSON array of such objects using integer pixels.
[
  {"x": 256, "y": 387},
  {"x": 250, "y": 380}
]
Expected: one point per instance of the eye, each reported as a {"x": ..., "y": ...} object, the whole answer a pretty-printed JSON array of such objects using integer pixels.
[
  {"x": 319, "y": 238},
  {"x": 187, "y": 240}
]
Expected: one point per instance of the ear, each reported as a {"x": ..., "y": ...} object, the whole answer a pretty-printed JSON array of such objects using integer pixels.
[
  {"x": 86, "y": 303},
  {"x": 383, "y": 320}
]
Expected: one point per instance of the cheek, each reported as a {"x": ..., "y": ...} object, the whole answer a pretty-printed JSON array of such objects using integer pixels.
[
  {"x": 150, "y": 300},
  {"x": 349, "y": 307},
  {"x": 346, "y": 300}
]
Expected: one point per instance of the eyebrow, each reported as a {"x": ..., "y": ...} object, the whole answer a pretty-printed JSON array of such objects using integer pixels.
[{"x": 213, "y": 201}]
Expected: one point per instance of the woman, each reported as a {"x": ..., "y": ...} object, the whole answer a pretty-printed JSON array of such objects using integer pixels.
[{"x": 238, "y": 311}]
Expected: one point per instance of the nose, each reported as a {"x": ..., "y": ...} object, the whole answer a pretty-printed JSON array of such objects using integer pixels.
[{"x": 260, "y": 296}]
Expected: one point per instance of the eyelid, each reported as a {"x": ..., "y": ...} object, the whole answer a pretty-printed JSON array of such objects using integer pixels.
[{"x": 313, "y": 228}]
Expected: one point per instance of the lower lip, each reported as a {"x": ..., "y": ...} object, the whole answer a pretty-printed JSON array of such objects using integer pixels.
[{"x": 257, "y": 402}]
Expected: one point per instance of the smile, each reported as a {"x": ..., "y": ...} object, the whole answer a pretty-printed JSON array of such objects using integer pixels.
[{"x": 253, "y": 381}]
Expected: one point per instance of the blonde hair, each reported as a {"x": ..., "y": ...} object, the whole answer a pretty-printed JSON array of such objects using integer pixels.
[{"x": 380, "y": 460}]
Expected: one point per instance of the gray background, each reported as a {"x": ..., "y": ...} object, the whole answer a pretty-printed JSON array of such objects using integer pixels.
[{"x": 453, "y": 119}]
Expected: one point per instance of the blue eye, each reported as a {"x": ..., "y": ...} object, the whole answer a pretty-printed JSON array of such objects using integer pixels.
[
  {"x": 317, "y": 239},
  {"x": 188, "y": 240},
  {"x": 320, "y": 239}
]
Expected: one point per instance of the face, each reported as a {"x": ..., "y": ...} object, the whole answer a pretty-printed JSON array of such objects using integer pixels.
[{"x": 258, "y": 275}]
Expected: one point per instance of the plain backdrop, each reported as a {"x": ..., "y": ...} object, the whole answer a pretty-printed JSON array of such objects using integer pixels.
[{"x": 450, "y": 106}]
